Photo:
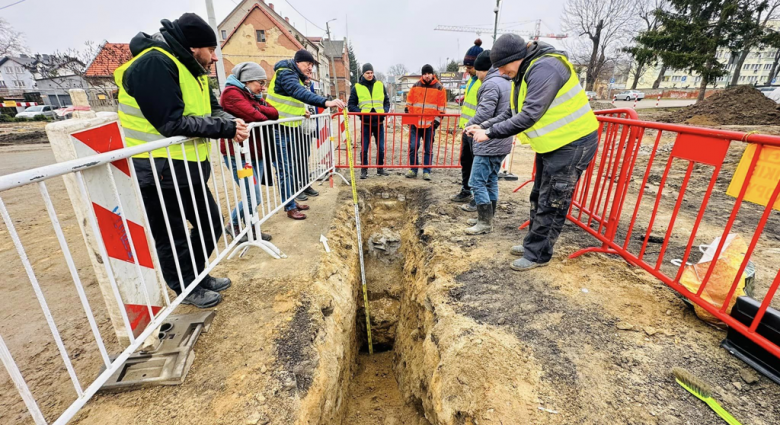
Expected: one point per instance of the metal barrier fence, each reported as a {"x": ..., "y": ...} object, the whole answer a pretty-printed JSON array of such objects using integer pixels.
[
  {"x": 410, "y": 141},
  {"x": 639, "y": 191},
  {"x": 292, "y": 157}
]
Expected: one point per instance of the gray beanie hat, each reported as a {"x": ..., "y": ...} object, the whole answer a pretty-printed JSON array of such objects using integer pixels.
[
  {"x": 508, "y": 48},
  {"x": 249, "y": 71}
]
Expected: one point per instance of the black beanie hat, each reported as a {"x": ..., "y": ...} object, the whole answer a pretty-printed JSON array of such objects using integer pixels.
[
  {"x": 196, "y": 31},
  {"x": 508, "y": 48},
  {"x": 483, "y": 61},
  {"x": 303, "y": 55},
  {"x": 427, "y": 69},
  {"x": 472, "y": 53},
  {"x": 367, "y": 67}
]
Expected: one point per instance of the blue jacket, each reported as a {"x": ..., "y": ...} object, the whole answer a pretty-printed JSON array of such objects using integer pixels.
[{"x": 288, "y": 83}]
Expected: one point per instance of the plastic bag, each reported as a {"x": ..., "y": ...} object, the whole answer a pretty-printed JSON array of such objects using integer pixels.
[{"x": 719, "y": 284}]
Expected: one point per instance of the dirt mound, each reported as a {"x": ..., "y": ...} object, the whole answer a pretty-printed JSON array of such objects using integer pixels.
[
  {"x": 598, "y": 106},
  {"x": 742, "y": 105}
]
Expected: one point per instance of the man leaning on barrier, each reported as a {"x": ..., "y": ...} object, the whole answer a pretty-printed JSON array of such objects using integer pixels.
[
  {"x": 552, "y": 113},
  {"x": 164, "y": 92},
  {"x": 289, "y": 96}
]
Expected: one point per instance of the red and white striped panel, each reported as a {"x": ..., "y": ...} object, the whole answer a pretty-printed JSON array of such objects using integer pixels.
[
  {"x": 26, "y": 104},
  {"x": 105, "y": 203}
]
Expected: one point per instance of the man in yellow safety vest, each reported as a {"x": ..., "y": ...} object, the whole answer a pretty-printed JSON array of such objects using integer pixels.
[
  {"x": 164, "y": 92},
  {"x": 369, "y": 96},
  {"x": 550, "y": 112},
  {"x": 467, "y": 111},
  {"x": 289, "y": 96}
]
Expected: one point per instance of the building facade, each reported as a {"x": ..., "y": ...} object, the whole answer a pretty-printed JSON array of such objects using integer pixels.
[
  {"x": 15, "y": 78},
  {"x": 254, "y": 32}
]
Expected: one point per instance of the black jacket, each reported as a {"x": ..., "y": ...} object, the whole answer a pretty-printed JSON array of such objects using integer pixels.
[
  {"x": 153, "y": 80},
  {"x": 352, "y": 106}
]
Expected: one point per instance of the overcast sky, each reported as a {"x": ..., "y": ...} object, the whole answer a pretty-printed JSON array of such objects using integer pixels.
[{"x": 381, "y": 32}]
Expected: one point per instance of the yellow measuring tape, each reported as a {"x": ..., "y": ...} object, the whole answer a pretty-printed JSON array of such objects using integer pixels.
[{"x": 357, "y": 225}]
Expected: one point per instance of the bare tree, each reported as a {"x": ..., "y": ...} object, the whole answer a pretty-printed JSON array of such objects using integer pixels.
[
  {"x": 605, "y": 23},
  {"x": 397, "y": 70},
  {"x": 756, "y": 14},
  {"x": 11, "y": 41},
  {"x": 646, "y": 11}
]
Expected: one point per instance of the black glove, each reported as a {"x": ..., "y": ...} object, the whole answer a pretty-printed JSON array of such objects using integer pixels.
[
  {"x": 406, "y": 109},
  {"x": 436, "y": 125}
]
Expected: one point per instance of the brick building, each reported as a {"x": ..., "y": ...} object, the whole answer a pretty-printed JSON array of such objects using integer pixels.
[{"x": 255, "y": 32}]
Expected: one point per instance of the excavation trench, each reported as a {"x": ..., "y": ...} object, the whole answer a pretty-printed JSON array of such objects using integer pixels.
[{"x": 374, "y": 396}]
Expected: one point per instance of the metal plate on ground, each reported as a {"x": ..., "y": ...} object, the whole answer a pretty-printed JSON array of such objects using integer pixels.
[{"x": 169, "y": 361}]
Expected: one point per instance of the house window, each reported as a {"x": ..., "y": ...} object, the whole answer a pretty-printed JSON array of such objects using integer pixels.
[
  {"x": 768, "y": 66},
  {"x": 18, "y": 83},
  {"x": 260, "y": 36},
  {"x": 2, "y": 84},
  {"x": 224, "y": 34}
]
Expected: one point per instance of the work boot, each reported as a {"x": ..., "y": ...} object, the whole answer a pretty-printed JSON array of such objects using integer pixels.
[
  {"x": 517, "y": 250},
  {"x": 462, "y": 196},
  {"x": 202, "y": 298},
  {"x": 216, "y": 284},
  {"x": 301, "y": 207},
  {"x": 301, "y": 197},
  {"x": 311, "y": 191},
  {"x": 484, "y": 222},
  {"x": 382, "y": 172},
  {"x": 410, "y": 175},
  {"x": 470, "y": 207},
  {"x": 296, "y": 215},
  {"x": 233, "y": 230},
  {"x": 495, "y": 206},
  {"x": 363, "y": 174},
  {"x": 523, "y": 264},
  {"x": 427, "y": 176}
]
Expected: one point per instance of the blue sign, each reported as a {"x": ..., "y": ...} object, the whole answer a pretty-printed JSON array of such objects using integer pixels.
[
  {"x": 612, "y": 80},
  {"x": 774, "y": 80},
  {"x": 685, "y": 77}
]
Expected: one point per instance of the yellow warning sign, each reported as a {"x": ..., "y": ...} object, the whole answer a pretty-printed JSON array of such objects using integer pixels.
[
  {"x": 764, "y": 179},
  {"x": 9, "y": 104}
]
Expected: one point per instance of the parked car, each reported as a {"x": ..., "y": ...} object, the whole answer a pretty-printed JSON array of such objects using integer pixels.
[
  {"x": 33, "y": 111},
  {"x": 592, "y": 95},
  {"x": 630, "y": 95},
  {"x": 459, "y": 99}
]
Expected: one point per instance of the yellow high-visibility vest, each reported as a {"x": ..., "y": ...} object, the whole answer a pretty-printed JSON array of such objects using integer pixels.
[
  {"x": 368, "y": 100},
  {"x": 288, "y": 106},
  {"x": 568, "y": 118},
  {"x": 469, "y": 107},
  {"x": 138, "y": 130}
]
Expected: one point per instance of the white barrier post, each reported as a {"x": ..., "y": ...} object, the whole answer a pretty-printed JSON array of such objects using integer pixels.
[
  {"x": 658, "y": 101},
  {"x": 114, "y": 202}
]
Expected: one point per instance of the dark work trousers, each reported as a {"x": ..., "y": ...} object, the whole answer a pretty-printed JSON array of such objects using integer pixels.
[
  {"x": 466, "y": 160},
  {"x": 179, "y": 232},
  {"x": 378, "y": 130},
  {"x": 557, "y": 173}
]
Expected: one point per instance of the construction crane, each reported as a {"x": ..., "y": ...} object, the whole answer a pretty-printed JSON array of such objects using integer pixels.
[{"x": 535, "y": 35}]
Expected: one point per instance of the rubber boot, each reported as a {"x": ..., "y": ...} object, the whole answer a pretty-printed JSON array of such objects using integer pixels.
[
  {"x": 495, "y": 205},
  {"x": 484, "y": 222}
]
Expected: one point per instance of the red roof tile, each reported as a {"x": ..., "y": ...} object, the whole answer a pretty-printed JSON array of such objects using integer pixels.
[
  {"x": 114, "y": 55},
  {"x": 110, "y": 57}
]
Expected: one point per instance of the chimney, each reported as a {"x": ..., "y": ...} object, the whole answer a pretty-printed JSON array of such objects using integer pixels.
[
  {"x": 287, "y": 19},
  {"x": 271, "y": 5}
]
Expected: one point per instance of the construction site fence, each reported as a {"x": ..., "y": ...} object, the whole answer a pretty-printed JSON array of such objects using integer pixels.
[
  {"x": 656, "y": 191},
  {"x": 415, "y": 141},
  {"x": 73, "y": 319}
]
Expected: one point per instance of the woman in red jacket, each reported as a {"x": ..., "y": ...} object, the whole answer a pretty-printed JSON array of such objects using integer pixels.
[{"x": 242, "y": 98}]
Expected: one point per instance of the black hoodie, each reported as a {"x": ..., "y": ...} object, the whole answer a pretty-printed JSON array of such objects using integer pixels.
[{"x": 153, "y": 80}]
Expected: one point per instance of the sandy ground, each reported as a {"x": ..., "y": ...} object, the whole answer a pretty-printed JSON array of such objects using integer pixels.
[{"x": 568, "y": 320}]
